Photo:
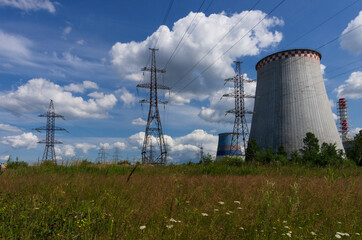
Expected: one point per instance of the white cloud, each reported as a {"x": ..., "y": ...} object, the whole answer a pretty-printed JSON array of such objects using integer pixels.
[
  {"x": 352, "y": 87},
  {"x": 85, "y": 147},
  {"x": 65, "y": 150},
  {"x": 28, "y": 5},
  {"x": 323, "y": 67},
  {"x": 9, "y": 128},
  {"x": 66, "y": 31},
  {"x": 353, "y": 40},
  {"x": 182, "y": 149},
  {"x": 139, "y": 121},
  {"x": 25, "y": 140},
  {"x": 110, "y": 146},
  {"x": 81, "y": 42},
  {"x": 14, "y": 47},
  {"x": 128, "y": 57},
  {"x": 352, "y": 133},
  {"x": 81, "y": 87},
  {"x": 36, "y": 94},
  {"x": 126, "y": 97},
  {"x": 4, "y": 158}
]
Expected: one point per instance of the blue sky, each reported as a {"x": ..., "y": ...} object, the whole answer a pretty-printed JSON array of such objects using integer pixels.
[{"x": 87, "y": 56}]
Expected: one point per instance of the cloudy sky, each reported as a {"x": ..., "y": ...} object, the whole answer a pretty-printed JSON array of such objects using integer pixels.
[{"x": 87, "y": 56}]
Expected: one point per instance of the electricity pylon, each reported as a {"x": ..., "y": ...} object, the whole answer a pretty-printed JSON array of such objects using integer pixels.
[
  {"x": 50, "y": 128},
  {"x": 153, "y": 127},
  {"x": 240, "y": 125}
]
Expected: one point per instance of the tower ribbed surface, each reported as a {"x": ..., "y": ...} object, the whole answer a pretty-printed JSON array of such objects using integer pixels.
[{"x": 291, "y": 100}]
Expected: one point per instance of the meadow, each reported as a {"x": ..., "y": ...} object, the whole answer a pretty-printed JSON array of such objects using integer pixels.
[{"x": 189, "y": 201}]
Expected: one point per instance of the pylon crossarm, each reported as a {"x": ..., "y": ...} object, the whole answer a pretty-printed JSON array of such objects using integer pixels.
[{"x": 148, "y": 85}]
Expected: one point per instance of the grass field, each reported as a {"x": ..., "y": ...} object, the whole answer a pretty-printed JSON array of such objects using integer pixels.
[{"x": 181, "y": 202}]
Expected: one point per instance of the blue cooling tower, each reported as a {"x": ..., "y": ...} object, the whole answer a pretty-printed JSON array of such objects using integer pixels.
[{"x": 225, "y": 148}]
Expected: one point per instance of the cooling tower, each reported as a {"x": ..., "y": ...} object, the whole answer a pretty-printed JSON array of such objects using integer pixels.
[
  {"x": 224, "y": 148},
  {"x": 291, "y": 100}
]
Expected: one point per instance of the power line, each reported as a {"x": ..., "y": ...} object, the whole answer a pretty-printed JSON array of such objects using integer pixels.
[
  {"x": 334, "y": 39},
  {"x": 319, "y": 25},
  {"x": 212, "y": 64},
  {"x": 221, "y": 39},
  {"x": 348, "y": 64},
  {"x": 187, "y": 29}
]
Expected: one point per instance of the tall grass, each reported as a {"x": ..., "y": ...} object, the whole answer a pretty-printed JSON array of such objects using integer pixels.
[{"x": 180, "y": 202}]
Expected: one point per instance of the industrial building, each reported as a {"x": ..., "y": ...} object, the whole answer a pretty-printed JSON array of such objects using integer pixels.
[{"x": 291, "y": 100}]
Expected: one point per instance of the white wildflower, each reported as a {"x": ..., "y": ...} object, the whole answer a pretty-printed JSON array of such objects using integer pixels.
[
  {"x": 216, "y": 210},
  {"x": 339, "y": 222},
  {"x": 204, "y": 214},
  {"x": 172, "y": 220},
  {"x": 358, "y": 234},
  {"x": 289, "y": 234},
  {"x": 227, "y": 213},
  {"x": 169, "y": 226},
  {"x": 237, "y": 202},
  {"x": 142, "y": 227},
  {"x": 313, "y": 233},
  {"x": 286, "y": 227},
  {"x": 241, "y": 228},
  {"x": 221, "y": 203},
  {"x": 284, "y": 222},
  {"x": 239, "y": 208},
  {"x": 300, "y": 227},
  {"x": 337, "y": 236}
]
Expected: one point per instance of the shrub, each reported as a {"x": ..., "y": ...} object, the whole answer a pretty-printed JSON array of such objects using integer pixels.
[{"x": 17, "y": 164}]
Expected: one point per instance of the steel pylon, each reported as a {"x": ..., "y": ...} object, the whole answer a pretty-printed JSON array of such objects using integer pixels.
[
  {"x": 153, "y": 127},
  {"x": 240, "y": 129},
  {"x": 50, "y": 128}
]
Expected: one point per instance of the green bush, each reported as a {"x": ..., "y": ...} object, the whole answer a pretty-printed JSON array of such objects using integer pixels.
[{"x": 17, "y": 164}]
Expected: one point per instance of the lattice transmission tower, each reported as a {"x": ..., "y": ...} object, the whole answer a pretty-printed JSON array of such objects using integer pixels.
[
  {"x": 153, "y": 127},
  {"x": 50, "y": 128},
  {"x": 240, "y": 124}
]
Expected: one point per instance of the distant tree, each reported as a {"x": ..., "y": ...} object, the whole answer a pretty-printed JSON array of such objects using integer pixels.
[
  {"x": 295, "y": 156},
  {"x": 355, "y": 152},
  {"x": 281, "y": 151},
  {"x": 251, "y": 151},
  {"x": 329, "y": 154},
  {"x": 310, "y": 150}
]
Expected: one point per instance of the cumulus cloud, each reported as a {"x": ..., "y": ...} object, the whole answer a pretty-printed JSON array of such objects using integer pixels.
[
  {"x": 25, "y": 140},
  {"x": 353, "y": 132},
  {"x": 81, "y": 87},
  {"x": 126, "y": 97},
  {"x": 352, "y": 87},
  {"x": 65, "y": 150},
  {"x": 30, "y": 5},
  {"x": 182, "y": 149},
  {"x": 4, "y": 158},
  {"x": 128, "y": 57},
  {"x": 81, "y": 42},
  {"x": 8, "y": 128},
  {"x": 109, "y": 146},
  {"x": 36, "y": 94},
  {"x": 353, "y": 40},
  {"x": 85, "y": 147},
  {"x": 139, "y": 121}
]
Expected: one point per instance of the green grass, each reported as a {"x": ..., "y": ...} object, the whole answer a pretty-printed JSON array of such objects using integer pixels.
[{"x": 96, "y": 202}]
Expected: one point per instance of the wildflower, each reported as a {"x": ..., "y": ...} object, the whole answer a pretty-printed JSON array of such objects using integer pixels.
[
  {"x": 300, "y": 227},
  {"x": 227, "y": 213},
  {"x": 204, "y": 214},
  {"x": 284, "y": 222},
  {"x": 241, "y": 228},
  {"x": 239, "y": 208},
  {"x": 286, "y": 227},
  {"x": 169, "y": 226},
  {"x": 231, "y": 212},
  {"x": 36, "y": 208},
  {"x": 172, "y": 220},
  {"x": 187, "y": 202},
  {"x": 142, "y": 227},
  {"x": 63, "y": 192},
  {"x": 274, "y": 228},
  {"x": 358, "y": 234},
  {"x": 221, "y": 203},
  {"x": 339, "y": 222},
  {"x": 289, "y": 234},
  {"x": 216, "y": 210},
  {"x": 237, "y": 202},
  {"x": 313, "y": 233},
  {"x": 317, "y": 214},
  {"x": 338, "y": 236}
]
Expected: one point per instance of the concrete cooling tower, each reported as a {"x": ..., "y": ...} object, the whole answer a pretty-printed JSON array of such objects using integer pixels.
[{"x": 291, "y": 100}]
